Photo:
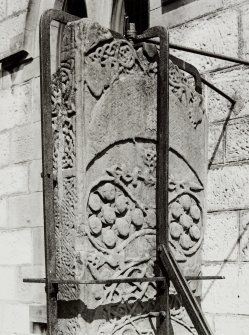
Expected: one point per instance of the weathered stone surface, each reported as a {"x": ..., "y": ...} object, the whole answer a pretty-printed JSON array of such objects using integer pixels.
[
  {"x": 26, "y": 143},
  {"x": 15, "y": 106},
  {"x": 2, "y": 9},
  {"x": 237, "y": 140},
  {"x": 245, "y": 29},
  {"x": 14, "y": 318},
  {"x": 17, "y": 245},
  {"x": 244, "y": 235},
  {"x": 38, "y": 246},
  {"x": 4, "y": 149},
  {"x": 3, "y": 213},
  {"x": 216, "y": 136},
  {"x": 221, "y": 296},
  {"x": 218, "y": 33},
  {"x": 186, "y": 11},
  {"x": 221, "y": 238},
  {"x": 35, "y": 177},
  {"x": 228, "y": 187},
  {"x": 25, "y": 210},
  {"x": 243, "y": 289},
  {"x": 16, "y": 6},
  {"x": 13, "y": 179},
  {"x": 12, "y": 34},
  {"x": 105, "y": 178},
  {"x": 231, "y": 324},
  {"x": 231, "y": 81}
]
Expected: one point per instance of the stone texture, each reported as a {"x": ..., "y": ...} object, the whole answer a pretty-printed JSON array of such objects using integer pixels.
[
  {"x": 228, "y": 187},
  {"x": 221, "y": 238},
  {"x": 186, "y": 11},
  {"x": 105, "y": 175},
  {"x": 245, "y": 29},
  {"x": 15, "y": 318},
  {"x": 217, "y": 33},
  {"x": 231, "y": 81},
  {"x": 17, "y": 246},
  {"x": 243, "y": 289},
  {"x": 221, "y": 296},
  {"x": 2, "y": 9},
  {"x": 25, "y": 210},
  {"x": 216, "y": 144},
  {"x": 244, "y": 236},
  {"x": 36, "y": 100},
  {"x": 15, "y": 105},
  {"x": 12, "y": 34},
  {"x": 231, "y": 324},
  {"x": 30, "y": 293},
  {"x": 16, "y": 6},
  {"x": 38, "y": 246},
  {"x": 3, "y": 213},
  {"x": 26, "y": 143},
  {"x": 35, "y": 179},
  {"x": 4, "y": 149},
  {"x": 8, "y": 277},
  {"x": 13, "y": 179},
  {"x": 237, "y": 141}
]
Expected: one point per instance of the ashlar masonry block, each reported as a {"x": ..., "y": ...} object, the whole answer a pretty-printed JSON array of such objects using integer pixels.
[
  {"x": 232, "y": 81},
  {"x": 17, "y": 246},
  {"x": 221, "y": 296},
  {"x": 221, "y": 240},
  {"x": 215, "y": 33},
  {"x": 228, "y": 187},
  {"x": 237, "y": 141}
]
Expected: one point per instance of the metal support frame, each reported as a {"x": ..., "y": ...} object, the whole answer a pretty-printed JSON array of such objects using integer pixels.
[
  {"x": 168, "y": 268},
  {"x": 47, "y": 158}
]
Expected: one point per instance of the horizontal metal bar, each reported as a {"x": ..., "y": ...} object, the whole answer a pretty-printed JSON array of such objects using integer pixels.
[
  {"x": 216, "y": 89},
  {"x": 114, "y": 280},
  {"x": 209, "y": 54}
]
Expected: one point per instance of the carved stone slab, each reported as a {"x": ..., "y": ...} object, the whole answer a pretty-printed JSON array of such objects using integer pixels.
[{"x": 104, "y": 122}]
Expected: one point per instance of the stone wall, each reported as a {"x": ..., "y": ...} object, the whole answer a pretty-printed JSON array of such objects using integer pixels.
[
  {"x": 221, "y": 26},
  {"x": 216, "y": 25}
]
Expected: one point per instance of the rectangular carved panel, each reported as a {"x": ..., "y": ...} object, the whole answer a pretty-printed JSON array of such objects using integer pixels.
[{"x": 104, "y": 125}]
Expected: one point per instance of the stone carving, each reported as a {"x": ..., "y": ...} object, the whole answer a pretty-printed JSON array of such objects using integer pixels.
[
  {"x": 105, "y": 181},
  {"x": 179, "y": 85}
]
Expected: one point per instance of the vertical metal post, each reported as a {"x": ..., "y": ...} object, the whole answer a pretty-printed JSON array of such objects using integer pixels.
[
  {"x": 163, "y": 322},
  {"x": 47, "y": 160}
]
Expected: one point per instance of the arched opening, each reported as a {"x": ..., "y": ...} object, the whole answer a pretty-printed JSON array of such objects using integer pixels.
[
  {"x": 75, "y": 7},
  {"x": 134, "y": 11}
]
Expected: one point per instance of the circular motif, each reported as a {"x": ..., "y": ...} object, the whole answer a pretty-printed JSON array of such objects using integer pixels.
[
  {"x": 95, "y": 225},
  {"x": 176, "y": 210},
  {"x": 137, "y": 217},
  {"x": 186, "y": 221},
  {"x": 109, "y": 215},
  {"x": 195, "y": 212},
  {"x": 108, "y": 192},
  {"x": 121, "y": 204},
  {"x": 185, "y": 201},
  {"x": 109, "y": 238},
  {"x": 94, "y": 202},
  {"x": 123, "y": 227},
  {"x": 175, "y": 229},
  {"x": 195, "y": 233},
  {"x": 185, "y": 224},
  {"x": 151, "y": 218}
]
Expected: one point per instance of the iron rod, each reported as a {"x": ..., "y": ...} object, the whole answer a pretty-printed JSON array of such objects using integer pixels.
[
  {"x": 216, "y": 89},
  {"x": 114, "y": 280},
  {"x": 209, "y": 54}
]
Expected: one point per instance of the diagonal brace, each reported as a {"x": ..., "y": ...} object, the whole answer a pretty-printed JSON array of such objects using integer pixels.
[{"x": 180, "y": 284}]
